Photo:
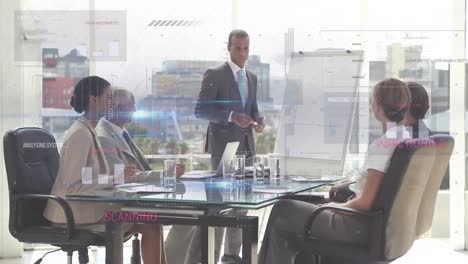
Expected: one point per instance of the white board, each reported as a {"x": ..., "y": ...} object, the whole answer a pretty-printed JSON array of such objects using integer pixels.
[{"x": 318, "y": 105}]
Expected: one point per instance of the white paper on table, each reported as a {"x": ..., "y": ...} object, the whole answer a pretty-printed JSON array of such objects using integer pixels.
[
  {"x": 119, "y": 177},
  {"x": 310, "y": 179},
  {"x": 141, "y": 188},
  {"x": 103, "y": 179},
  {"x": 198, "y": 174},
  {"x": 271, "y": 189},
  {"x": 127, "y": 185}
]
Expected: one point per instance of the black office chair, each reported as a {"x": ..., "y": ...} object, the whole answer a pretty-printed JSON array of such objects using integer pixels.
[
  {"x": 32, "y": 162},
  {"x": 402, "y": 212}
]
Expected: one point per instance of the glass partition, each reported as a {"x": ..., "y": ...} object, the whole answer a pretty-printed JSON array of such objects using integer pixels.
[{"x": 159, "y": 51}]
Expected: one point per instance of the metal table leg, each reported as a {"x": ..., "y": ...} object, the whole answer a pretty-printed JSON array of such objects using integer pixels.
[
  {"x": 250, "y": 242},
  {"x": 204, "y": 243},
  {"x": 211, "y": 245},
  {"x": 208, "y": 244},
  {"x": 114, "y": 243}
]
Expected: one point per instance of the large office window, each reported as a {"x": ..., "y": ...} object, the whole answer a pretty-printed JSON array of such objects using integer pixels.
[
  {"x": 414, "y": 47},
  {"x": 287, "y": 28},
  {"x": 169, "y": 47},
  {"x": 159, "y": 50},
  {"x": 284, "y": 29}
]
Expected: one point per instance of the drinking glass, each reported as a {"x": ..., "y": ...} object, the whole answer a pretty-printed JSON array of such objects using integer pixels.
[
  {"x": 169, "y": 177},
  {"x": 228, "y": 169},
  {"x": 258, "y": 168},
  {"x": 274, "y": 168},
  {"x": 239, "y": 173}
]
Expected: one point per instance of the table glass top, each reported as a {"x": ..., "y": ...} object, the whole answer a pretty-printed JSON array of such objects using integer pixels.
[{"x": 213, "y": 191}]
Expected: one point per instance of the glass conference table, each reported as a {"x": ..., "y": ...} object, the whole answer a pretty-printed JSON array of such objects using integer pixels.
[{"x": 192, "y": 202}]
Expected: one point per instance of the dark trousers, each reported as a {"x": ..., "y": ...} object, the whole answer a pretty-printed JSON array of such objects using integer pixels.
[
  {"x": 288, "y": 219},
  {"x": 183, "y": 243}
]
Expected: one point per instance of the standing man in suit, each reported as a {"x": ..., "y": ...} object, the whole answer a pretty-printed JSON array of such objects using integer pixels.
[{"x": 228, "y": 99}]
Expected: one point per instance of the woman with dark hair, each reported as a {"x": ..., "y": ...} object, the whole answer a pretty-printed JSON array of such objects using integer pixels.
[
  {"x": 82, "y": 161},
  {"x": 288, "y": 218},
  {"x": 417, "y": 111}
]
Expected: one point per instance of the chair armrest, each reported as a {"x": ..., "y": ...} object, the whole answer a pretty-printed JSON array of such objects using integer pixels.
[
  {"x": 308, "y": 198},
  {"x": 65, "y": 206},
  {"x": 338, "y": 209}
]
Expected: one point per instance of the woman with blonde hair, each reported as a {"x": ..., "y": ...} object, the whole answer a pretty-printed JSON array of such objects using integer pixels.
[{"x": 391, "y": 98}]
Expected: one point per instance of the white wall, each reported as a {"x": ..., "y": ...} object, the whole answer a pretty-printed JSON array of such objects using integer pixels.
[
  {"x": 20, "y": 102},
  {"x": 10, "y": 104},
  {"x": 441, "y": 222},
  {"x": 466, "y": 220}
]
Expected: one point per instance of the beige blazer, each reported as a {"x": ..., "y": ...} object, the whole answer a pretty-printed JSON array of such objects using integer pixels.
[
  {"x": 80, "y": 150},
  {"x": 117, "y": 151}
]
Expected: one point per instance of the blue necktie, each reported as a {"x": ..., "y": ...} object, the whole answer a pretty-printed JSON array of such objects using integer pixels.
[
  {"x": 242, "y": 84},
  {"x": 143, "y": 163},
  {"x": 126, "y": 136}
]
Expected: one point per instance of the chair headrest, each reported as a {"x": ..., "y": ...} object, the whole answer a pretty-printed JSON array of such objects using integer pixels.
[{"x": 31, "y": 160}]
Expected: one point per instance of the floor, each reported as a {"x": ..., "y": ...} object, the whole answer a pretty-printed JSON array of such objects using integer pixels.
[{"x": 426, "y": 250}]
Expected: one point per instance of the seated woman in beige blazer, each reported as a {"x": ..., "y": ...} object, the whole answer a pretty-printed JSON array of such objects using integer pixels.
[{"x": 82, "y": 160}]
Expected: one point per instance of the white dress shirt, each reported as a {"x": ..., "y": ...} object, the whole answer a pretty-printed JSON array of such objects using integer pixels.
[
  {"x": 379, "y": 154},
  {"x": 235, "y": 68}
]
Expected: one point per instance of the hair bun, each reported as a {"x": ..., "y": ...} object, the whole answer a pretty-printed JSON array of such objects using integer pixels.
[{"x": 77, "y": 106}]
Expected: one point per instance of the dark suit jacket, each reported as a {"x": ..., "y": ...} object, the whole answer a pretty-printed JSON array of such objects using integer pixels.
[{"x": 219, "y": 95}]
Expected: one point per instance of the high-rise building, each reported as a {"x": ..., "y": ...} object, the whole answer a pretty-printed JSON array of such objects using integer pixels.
[
  {"x": 182, "y": 78},
  {"x": 60, "y": 75},
  {"x": 405, "y": 63},
  {"x": 73, "y": 65},
  {"x": 400, "y": 58},
  {"x": 175, "y": 91},
  {"x": 56, "y": 92},
  {"x": 439, "y": 94},
  {"x": 262, "y": 70},
  {"x": 377, "y": 71}
]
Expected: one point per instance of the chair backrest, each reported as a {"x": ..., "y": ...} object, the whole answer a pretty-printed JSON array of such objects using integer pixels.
[
  {"x": 443, "y": 151},
  {"x": 402, "y": 193},
  {"x": 32, "y": 162}
]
